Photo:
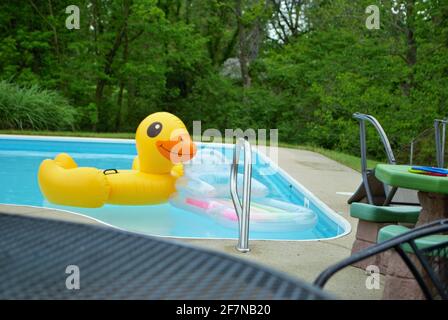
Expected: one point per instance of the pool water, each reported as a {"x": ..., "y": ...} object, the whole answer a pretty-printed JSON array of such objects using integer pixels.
[{"x": 20, "y": 157}]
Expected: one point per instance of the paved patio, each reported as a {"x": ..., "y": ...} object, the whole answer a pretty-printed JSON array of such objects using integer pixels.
[{"x": 329, "y": 181}]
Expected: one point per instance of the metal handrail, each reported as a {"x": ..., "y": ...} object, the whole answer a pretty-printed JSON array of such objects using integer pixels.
[
  {"x": 440, "y": 131},
  {"x": 387, "y": 147},
  {"x": 242, "y": 208},
  {"x": 390, "y": 192}
]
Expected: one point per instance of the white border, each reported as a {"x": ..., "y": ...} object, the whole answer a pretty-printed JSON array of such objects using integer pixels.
[{"x": 330, "y": 213}]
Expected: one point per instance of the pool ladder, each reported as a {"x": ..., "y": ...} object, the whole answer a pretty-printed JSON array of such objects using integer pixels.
[
  {"x": 388, "y": 191},
  {"x": 242, "y": 207}
]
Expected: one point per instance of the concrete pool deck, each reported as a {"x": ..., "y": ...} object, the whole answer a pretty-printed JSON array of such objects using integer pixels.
[{"x": 332, "y": 183}]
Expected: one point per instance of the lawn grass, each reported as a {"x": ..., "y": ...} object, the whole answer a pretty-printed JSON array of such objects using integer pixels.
[{"x": 348, "y": 160}]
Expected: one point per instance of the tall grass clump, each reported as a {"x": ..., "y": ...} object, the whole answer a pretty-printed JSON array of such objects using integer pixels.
[{"x": 34, "y": 108}]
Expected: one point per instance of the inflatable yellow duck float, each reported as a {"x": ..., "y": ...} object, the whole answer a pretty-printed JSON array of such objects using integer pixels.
[{"x": 162, "y": 142}]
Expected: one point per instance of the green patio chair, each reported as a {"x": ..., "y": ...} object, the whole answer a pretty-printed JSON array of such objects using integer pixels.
[
  {"x": 382, "y": 214},
  {"x": 371, "y": 219}
]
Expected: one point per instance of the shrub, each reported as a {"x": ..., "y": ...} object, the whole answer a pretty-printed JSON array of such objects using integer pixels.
[{"x": 33, "y": 108}]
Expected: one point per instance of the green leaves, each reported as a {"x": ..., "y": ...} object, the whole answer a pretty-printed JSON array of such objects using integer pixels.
[{"x": 134, "y": 57}]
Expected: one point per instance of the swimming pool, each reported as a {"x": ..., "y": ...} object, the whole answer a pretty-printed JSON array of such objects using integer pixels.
[{"x": 20, "y": 157}]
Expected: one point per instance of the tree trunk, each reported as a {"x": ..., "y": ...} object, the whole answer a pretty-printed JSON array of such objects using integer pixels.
[
  {"x": 411, "y": 46},
  {"x": 55, "y": 33},
  {"x": 107, "y": 71},
  {"x": 243, "y": 55},
  {"x": 122, "y": 83},
  {"x": 187, "y": 11}
]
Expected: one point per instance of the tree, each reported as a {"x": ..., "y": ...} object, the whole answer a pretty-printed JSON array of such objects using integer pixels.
[{"x": 289, "y": 19}]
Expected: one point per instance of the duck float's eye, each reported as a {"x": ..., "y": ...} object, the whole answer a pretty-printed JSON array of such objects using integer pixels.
[{"x": 154, "y": 129}]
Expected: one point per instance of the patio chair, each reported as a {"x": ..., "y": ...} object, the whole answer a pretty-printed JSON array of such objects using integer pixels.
[
  {"x": 371, "y": 219},
  {"x": 424, "y": 250}
]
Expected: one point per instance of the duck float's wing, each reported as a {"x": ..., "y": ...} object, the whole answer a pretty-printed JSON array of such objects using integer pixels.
[
  {"x": 62, "y": 182},
  {"x": 130, "y": 187}
]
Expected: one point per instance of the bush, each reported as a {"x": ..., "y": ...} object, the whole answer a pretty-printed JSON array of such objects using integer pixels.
[{"x": 33, "y": 108}]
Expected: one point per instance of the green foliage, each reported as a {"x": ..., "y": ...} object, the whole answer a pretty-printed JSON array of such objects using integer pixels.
[
  {"x": 134, "y": 57},
  {"x": 341, "y": 67},
  {"x": 87, "y": 116},
  {"x": 220, "y": 104},
  {"x": 33, "y": 108}
]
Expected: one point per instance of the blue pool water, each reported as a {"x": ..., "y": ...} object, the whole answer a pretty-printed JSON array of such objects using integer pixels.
[{"x": 20, "y": 158}]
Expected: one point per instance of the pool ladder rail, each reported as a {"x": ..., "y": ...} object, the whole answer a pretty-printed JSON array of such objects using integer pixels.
[
  {"x": 242, "y": 207},
  {"x": 362, "y": 118},
  {"x": 440, "y": 132}
]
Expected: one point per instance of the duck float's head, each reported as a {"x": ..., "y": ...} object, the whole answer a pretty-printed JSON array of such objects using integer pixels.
[{"x": 162, "y": 141}]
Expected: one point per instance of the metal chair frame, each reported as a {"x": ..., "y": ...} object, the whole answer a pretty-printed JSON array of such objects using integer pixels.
[{"x": 397, "y": 243}]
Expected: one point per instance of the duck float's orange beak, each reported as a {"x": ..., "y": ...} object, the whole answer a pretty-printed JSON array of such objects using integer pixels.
[{"x": 178, "y": 149}]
